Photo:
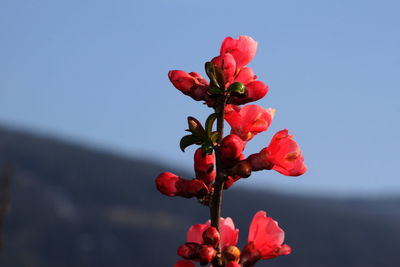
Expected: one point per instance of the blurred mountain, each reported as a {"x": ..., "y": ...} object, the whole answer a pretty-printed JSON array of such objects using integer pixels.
[{"x": 75, "y": 206}]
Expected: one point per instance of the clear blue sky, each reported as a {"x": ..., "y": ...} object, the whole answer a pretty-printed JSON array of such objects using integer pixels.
[{"x": 96, "y": 72}]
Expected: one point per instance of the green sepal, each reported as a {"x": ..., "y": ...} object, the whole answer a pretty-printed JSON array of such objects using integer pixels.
[
  {"x": 188, "y": 140},
  {"x": 220, "y": 76},
  {"x": 237, "y": 87},
  {"x": 209, "y": 123},
  {"x": 210, "y": 70}
]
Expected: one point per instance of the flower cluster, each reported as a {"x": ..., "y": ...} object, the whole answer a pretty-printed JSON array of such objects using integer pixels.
[
  {"x": 219, "y": 161},
  {"x": 265, "y": 241}
]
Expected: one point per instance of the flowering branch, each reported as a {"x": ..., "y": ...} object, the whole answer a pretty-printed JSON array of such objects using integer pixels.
[
  {"x": 220, "y": 162},
  {"x": 216, "y": 201}
]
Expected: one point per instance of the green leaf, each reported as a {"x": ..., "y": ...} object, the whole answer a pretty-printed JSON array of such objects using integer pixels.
[
  {"x": 209, "y": 123},
  {"x": 188, "y": 140},
  {"x": 237, "y": 87},
  {"x": 196, "y": 128}
]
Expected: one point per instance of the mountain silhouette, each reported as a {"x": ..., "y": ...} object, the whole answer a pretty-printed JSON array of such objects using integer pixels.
[{"x": 77, "y": 206}]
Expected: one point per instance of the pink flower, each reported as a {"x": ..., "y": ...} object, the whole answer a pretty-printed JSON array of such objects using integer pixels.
[
  {"x": 265, "y": 240},
  {"x": 234, "y": 55},
  {"x": 184, "y": 263},
  {"x": 242, "y": 49},
  {"x": 249, "y": 120},
  {"x": 283, "y": 155},
  {"x": 228, "y": 233}
]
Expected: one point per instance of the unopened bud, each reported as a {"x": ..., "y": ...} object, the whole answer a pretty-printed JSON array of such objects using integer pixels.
[
  {"x": 231, "y": 254},
  {"x": 211, "y": 236},
  {"x": 189, "y": 250},
  {"x": 231, "y": 147},
  {"x": 199, "y": 92},
  {"x": 166, "y": 183},
  {"x": 204, "y": 166},
  {"x": 207, "y": 254},
  {"x": 191, "y": 188}
]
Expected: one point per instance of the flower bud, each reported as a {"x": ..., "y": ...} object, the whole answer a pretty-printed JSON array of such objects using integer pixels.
[
  {"x": 166, "y": 183},
  {"x": 182, "y": 80},
  {"x": 207, "y": 254},
  {"x": 231, "y": 147},
  {"x": 199, "y": 92},
  {"x": 189, "y": 250},
  {"x": 191, "y": 188},
  {"x": 211, "y": 236},
  {"x": 204, "y": 166},
  {"x": 231, "y": 254}
]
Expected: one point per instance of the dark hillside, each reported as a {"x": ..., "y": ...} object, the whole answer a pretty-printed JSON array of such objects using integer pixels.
[{"x": 73, "y": 206}]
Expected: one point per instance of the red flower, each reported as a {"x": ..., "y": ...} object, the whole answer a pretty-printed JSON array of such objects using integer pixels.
[
  {"x": 265, "y": 240},
  {"x": 249, "y": 120},
  {"x": 283, "y": 155},
  {"x": 228, "y": 233},
  {"x": 184, "y": 263},
  {"x": 204, "y": 166},
  {"x": 242, "y": 49}
]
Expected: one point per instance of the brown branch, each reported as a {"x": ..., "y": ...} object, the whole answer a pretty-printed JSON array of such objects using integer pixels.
[{"x": 216, "y": 200}]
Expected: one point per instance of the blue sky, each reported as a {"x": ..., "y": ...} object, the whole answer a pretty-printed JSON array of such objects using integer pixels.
[{"x": 95, "y": 72}]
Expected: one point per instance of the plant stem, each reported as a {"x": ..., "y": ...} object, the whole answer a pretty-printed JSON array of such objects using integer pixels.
[{"x": 216, "y": 200}]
